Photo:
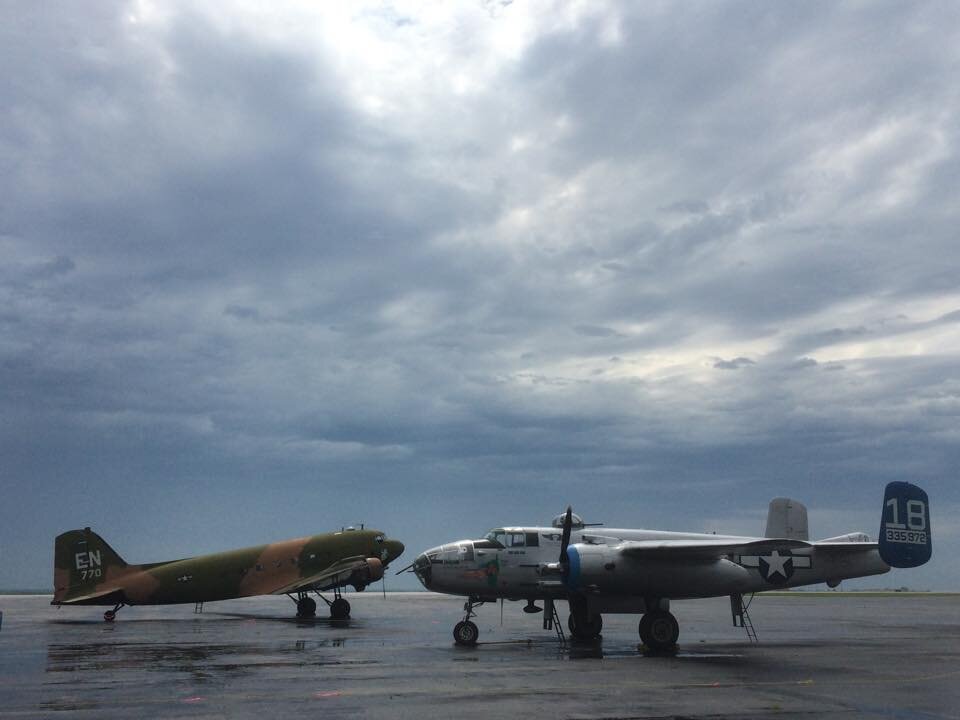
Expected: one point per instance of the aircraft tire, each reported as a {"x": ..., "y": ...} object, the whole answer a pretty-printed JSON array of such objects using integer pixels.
[
  {"x": 584, "y": 629},
  {"x": 339, "y": 609},
  {"x": 306, "y": 607},
  {"x": 659, "y": 630},
  {"x": 465, "y": 633},
  {"x": 109, "y": 616},
  {"x": 645, "y": 629}
]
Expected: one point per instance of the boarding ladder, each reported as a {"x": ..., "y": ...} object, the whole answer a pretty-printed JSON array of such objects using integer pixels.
[
  {"x": 551, "y": 621},
  {"x": 741, "y": 618}
]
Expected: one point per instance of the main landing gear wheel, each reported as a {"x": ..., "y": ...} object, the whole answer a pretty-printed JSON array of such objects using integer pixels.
[
  {"x": 306, "y": 607},
  {"x": 339, "y": 609},
  {"x": 583, "y": 627},
  {"x": 659, "y": 630},
  {"x": 465, "y": 633}
]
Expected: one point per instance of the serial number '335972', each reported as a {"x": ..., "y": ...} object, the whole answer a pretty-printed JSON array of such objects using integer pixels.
[{"x": 907, "y": 536}]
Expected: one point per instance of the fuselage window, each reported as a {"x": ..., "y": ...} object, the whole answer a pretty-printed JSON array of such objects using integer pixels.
[
  {"x": 516, "y": 539},
  {"x": 533, "y": 540}
]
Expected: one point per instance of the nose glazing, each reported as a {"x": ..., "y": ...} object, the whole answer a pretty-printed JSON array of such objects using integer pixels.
[{"x": 423, "y": 570}]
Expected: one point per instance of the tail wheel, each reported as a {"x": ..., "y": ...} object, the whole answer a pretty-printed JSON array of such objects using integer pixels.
[
  {"x": 659, "y": 630},
  {"x": 465, "y": 633},
  {"x": 109, "y": 616},
  {"x": 339, "y": 609}
]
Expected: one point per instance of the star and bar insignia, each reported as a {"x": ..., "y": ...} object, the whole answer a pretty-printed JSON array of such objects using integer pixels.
[{"x": 777, "y": 567}]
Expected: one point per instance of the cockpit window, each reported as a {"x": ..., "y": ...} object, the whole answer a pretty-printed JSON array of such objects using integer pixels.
[
  {"x": 379, "y": 539},
  {"x": 517, "y": 539},
  {"x": 497, "y": 537}
]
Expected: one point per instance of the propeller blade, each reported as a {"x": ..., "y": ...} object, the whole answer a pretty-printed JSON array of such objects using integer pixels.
[{"x": 565, "y": 538}]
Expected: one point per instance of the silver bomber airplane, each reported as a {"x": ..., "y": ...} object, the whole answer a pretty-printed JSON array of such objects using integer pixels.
[{"x": 605, "y": 570}]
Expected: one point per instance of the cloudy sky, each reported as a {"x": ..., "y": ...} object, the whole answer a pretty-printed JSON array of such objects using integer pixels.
[{"x": 269, "y": 269}]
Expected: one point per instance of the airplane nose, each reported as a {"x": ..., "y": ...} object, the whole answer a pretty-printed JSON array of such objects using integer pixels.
[
  {"x": 423, "y": 570},
  {"x": 394, "y": 549}
]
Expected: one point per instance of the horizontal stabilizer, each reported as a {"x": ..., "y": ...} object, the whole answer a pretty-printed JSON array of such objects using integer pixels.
[{"x": 105, "y": 597}]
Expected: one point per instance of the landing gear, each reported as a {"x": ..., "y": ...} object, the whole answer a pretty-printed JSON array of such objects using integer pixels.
[
  {"x": 339, "y": 609},
  {"x": 306, "y": 606},
  {"x": 111, "y": 615},
  {"x": 584, "y": 626},
  {"x": 465, "y": 633},
  {"x": 659, "y": 630}
]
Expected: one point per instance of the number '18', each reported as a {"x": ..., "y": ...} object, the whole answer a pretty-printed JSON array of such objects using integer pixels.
[{"x": 916, "y": 515}]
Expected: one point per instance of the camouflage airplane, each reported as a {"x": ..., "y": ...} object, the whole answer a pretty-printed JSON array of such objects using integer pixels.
[{"x": 87, "y": 571}]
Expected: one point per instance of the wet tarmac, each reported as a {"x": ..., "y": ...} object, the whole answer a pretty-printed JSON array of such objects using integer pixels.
[{"x": 844, "y": 656}]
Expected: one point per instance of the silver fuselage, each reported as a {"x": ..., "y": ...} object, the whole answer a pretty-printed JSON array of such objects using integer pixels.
[{"x": 517, "y": 567}]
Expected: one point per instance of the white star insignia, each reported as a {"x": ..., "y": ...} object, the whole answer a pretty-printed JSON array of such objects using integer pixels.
[{"x": 776, "y": 563}]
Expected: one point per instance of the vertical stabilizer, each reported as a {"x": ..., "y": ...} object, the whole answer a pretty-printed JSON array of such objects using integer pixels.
[
  {"x": 787, "y": 519},
  {"x": 905, "y": 536},
  {"x": 81, "y": 559}
]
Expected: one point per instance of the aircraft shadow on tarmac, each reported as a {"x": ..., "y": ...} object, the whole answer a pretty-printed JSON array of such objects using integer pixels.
[{"x": 299, "y": 622}]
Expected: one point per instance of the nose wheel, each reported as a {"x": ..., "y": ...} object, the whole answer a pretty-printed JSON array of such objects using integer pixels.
[{"x": 465, "y": 632}]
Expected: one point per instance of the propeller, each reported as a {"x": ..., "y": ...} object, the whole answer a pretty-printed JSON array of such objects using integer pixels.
[{"x": 565, "y": 543}]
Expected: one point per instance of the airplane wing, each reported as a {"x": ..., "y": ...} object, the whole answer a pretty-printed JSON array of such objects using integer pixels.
[
  {"x": 333, "y": 575},
  {"x": 665, "y": 549}
]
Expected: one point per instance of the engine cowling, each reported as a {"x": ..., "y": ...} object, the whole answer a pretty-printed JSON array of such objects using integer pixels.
[
  {"x": 588, "y": 565},
  {"x": 370, "y": 572}
]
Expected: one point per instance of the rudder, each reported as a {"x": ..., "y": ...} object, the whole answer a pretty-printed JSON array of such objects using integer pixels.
[{"x": 905, "y": 535}]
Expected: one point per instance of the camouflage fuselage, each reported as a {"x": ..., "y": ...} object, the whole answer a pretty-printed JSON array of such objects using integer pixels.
[{"x": 88, "y": 571}]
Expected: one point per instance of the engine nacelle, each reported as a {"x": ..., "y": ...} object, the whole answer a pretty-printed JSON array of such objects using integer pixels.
[
  {"x": 588, "y": 565},
  {"x": 363, "y": 576}
]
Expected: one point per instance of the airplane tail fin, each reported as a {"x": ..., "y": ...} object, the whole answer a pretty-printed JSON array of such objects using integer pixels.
[
  {"x": 787, "y": 519},
  {"x": 905, "y": 536},
  {"x": 81, "y": 560}
]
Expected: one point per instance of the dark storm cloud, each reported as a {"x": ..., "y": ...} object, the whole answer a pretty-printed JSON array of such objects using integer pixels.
[{"x": 280, "y": 274}]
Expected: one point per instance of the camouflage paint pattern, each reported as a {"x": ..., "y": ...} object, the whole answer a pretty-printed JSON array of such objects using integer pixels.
[{"x": 87, "y": 571}]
